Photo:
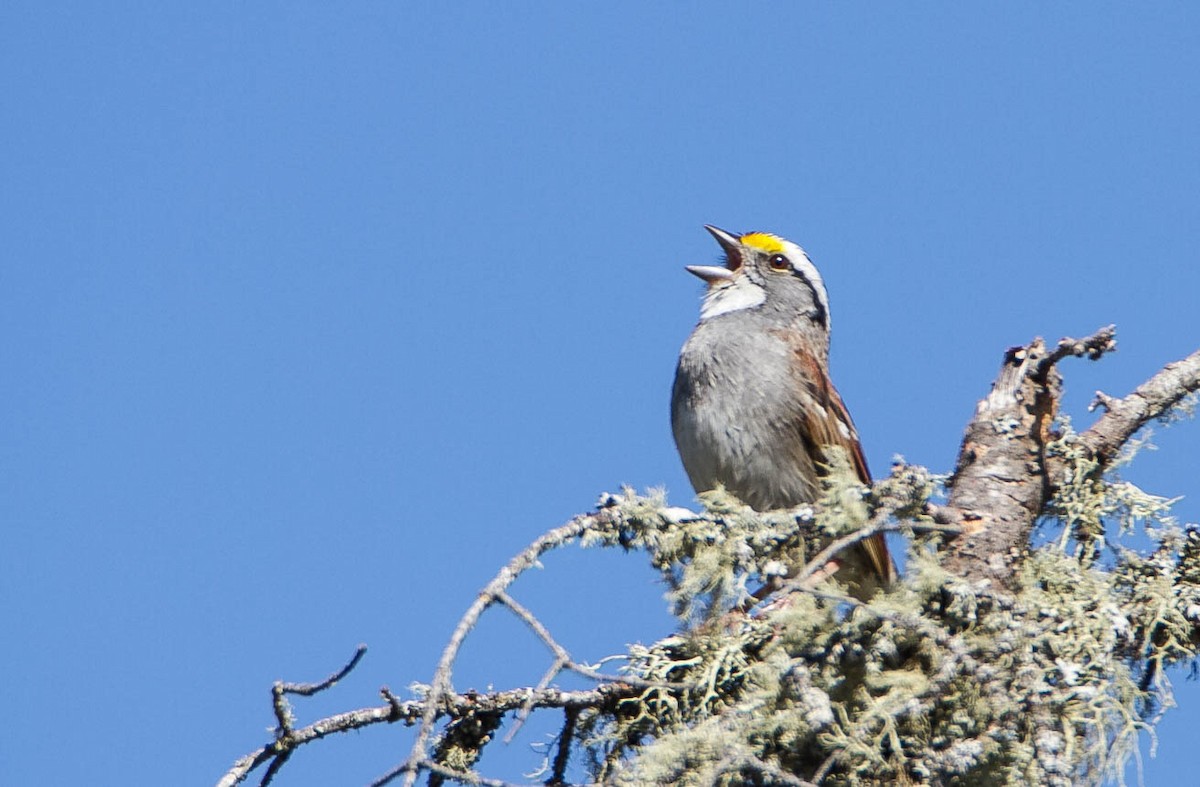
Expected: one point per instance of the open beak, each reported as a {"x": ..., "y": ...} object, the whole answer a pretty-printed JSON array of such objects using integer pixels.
[{"x": 714, "y": 274}]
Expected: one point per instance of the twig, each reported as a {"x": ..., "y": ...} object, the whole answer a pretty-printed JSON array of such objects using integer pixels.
[
  {"x": 396, "y": 773},
  {"x": 411, "y": 711},
  {"x": 563, "y": 656},
  {"x": 540, "y": 630},
  {"x": 285, "y": 735},
  {"x": 527, "y": 708},
  {"x": 440, "y": 686},
  {"x": 274, "y": 768},
  {"x": 279, "y": 692},
  {"x": 342, "y": 722},
  {"x": 1094, "y": 346},
  {"x": 833, "y": 548},
  {"x": 880, "y": 524},
  {"x": 309, "y": 689},
  {"x": 562, "y": 752}
]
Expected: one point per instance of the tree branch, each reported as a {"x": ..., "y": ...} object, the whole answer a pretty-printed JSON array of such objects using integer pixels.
[
  {"x": 410, "y": 712},
  {"x": 1003, "y": 479},
  {"x": 1000, "y": 482},
  {"x": 441, "y": 686},
  {"x": 1150, "y": 400}
]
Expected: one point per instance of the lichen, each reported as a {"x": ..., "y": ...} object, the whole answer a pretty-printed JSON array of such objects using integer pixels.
[{"x": 936, "y": 680}]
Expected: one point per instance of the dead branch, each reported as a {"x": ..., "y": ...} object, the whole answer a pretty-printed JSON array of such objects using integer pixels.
[
  {"x": 410, "y": 712},
  {"x": 1003, "y": 478},
  {"x": 440, "y": 699},
  {"x": 441, "y": 686},
  {"x": 1150, "y": 400},
  {"x": 999, "y": 482}
]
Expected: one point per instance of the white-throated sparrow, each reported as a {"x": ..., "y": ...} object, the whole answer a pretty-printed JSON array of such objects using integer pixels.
[{"x": 753, "y": 408}]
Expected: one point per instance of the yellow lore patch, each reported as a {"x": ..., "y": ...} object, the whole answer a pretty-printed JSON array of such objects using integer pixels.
[{"x": 763, "y": 241}]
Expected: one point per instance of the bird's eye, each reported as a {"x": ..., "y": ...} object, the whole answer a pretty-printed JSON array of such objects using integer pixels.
[{"x": 779, "y": 263}]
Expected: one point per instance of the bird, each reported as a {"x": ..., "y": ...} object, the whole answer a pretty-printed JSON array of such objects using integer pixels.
[{"x": 753, "y": 409}]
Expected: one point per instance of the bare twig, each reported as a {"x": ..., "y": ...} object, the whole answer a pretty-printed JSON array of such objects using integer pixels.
[
  {"x": 563, "y": 656},
  {"x": 562, "y": 751},
  {"x": 342, "y": 722},
  {"x": 536, "y": 625},
  {"x": 527, "y": 708},
  {"x": 394, "y": 702},
  {"x": 286, "y": 739},
  {"x": 283, "y": 709},
  {"x": 441, "y": 686},
  {"x": 274, "y": 768},
  {"x": 1094, "y": 346},
  {"x": 309, "y": 689},
  {"x": 411, "y": 711},
  {"x": 396, "y": 773}
]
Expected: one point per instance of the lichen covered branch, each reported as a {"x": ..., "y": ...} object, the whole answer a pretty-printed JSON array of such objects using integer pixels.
[
  {"x": 990, "y": 662},
  {"x": 1004, "y": 476},
  {"x": 999, "y": 483}
]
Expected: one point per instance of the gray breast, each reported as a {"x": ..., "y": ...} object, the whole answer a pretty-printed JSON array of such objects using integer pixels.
[{"x": 734, "y": 412}]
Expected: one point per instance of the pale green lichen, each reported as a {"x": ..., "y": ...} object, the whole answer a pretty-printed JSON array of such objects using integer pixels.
[
  {"x": 937, "y": 680},
  {"x": 1087, "y": 504}
]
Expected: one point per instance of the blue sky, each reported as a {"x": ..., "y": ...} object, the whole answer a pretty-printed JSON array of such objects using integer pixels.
[{"x": 313, "y": 316}]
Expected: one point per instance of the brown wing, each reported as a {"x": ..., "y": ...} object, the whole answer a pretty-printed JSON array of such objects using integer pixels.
[{"x": 828, "y": 423}]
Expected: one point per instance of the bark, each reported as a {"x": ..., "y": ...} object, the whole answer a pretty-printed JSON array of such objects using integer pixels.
[{"x": 1003, "y": 477}]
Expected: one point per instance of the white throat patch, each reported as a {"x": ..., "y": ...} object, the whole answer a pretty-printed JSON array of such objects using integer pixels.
[{"x": 725, "y": 298}]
